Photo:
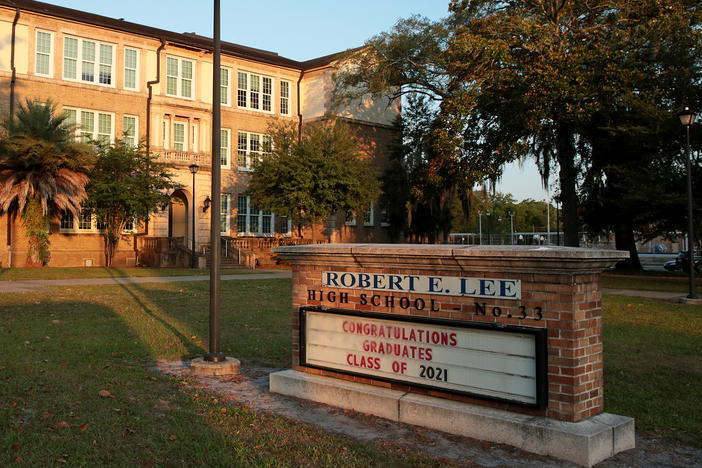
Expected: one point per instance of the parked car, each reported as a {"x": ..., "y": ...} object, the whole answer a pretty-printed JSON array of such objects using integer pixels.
[
  {"x": 682, "y": 262},
  {"x": 672, "y": 265}
]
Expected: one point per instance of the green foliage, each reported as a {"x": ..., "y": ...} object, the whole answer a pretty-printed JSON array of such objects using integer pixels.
[
  {"x": 312, "y": 178},
  {"x": 125, "y": 184},
  {"x": 36, "y": 225},
  {"x": 42, "y": 170},
  {"x": 555, "y": 81}
]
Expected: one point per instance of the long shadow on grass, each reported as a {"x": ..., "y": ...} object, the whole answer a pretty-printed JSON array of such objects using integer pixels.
[{"x": 192, "y": 349}]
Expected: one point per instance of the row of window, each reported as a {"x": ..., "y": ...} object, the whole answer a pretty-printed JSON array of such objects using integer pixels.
[
  {"x": 93, "y": 62},
  {"x": 249, "y": 220}
]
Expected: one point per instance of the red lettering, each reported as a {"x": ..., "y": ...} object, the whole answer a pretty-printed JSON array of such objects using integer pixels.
[{"x": 453, "y": 339}]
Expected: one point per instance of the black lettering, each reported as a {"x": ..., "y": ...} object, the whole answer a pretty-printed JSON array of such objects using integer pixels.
[
  {"x": 311, "y": 295},
  {"x": 522, "y": 310},
  {"x": 344, "y": 298},
  {"x": 539, "y": 315},
  {"x": 331, "y": 296},
  {"x": 375, "y": 298},
  {"x": 432, "y": 306},
  {"x": 480, "y": 309},
  {"x": 417, "y": 303},
  {"x": 404, "y": 302},
  {"x": 390, "y": 301},
  {"x": 496, "y": 311},
  {"x": 363, "y": 299},
  {"x": 422, "y": 370}
]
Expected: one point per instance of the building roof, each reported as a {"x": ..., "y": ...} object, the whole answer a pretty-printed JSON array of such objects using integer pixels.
[{"x": 189, "y": 40}]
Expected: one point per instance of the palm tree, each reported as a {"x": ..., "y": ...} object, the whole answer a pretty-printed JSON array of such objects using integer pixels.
[{"x": 42, "y": 168}]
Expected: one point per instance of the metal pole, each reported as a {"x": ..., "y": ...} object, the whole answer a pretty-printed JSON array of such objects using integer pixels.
[
  {"x": 480, "y": 227},
  {"x": 511, "y": 227},
  {"x": 192, "y": 256},
  {"x": 215, "y": 355},
  {"x": 690, "y": 231}
]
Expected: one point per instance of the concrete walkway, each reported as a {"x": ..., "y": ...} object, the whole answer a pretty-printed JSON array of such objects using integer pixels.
[
  {"x": 661, "y": 295},
  {"x": 34, "y": 285}
]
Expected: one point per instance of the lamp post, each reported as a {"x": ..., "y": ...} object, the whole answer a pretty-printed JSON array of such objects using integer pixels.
[
  {"x": 511, "y": 228},
  {"x": 480, "y": 227},
  {"x": 487, "y": 220},
  {"x": 193, "y": 170},
  {"x": 687, "y": 118}
]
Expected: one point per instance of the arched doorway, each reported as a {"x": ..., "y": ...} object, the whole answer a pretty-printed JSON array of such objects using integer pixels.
[{"x": 178, "y": 217}]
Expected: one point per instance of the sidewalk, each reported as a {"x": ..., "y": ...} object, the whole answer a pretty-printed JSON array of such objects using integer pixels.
[{"x": 34, "y": 285}]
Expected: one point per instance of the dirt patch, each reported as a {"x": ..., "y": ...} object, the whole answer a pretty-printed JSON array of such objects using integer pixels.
[{"x": 251, "y": 387}]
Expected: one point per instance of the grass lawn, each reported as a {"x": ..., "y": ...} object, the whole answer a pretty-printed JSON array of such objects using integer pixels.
[
  {"x": 669, "y": 281},
  {"x": 653, "y": 365},
  {"x": 21, "y": 274},
  {"x": 60, "y": 348}
]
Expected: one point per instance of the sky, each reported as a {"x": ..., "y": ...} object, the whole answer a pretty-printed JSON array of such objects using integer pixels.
[{"x": 299, "y": 30}]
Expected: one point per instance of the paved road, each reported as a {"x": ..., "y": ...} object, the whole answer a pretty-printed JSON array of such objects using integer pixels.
[{"x": 34, "y": 285}]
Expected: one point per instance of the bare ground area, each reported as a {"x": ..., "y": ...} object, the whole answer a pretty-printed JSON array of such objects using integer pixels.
[{"x": 251, "y": 388}]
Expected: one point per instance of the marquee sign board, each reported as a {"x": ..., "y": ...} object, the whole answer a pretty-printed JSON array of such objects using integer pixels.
[{"x": 504, "y": 363}]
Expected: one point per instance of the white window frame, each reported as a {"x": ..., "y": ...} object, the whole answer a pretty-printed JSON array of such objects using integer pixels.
[
  {"x": 135, "y": 69},
  {"x": 226, "y": 86},
  {"x": 75, "y": 222},
  {"x": 247, "y": 155},
  {"x": 226, "y": 150},
  {"x": 367, "y": 216},
  {"x": 194, "y": 137},
  {"x": 384, "y": 216},
  {"x": 95, "y": 131},
  {"x": 225, "y": 210},
  {"x": 250, "y": 219},
  {"x": 180, "y": 78},
  {"x": 97, "y": 62},
  {"x": 285, "y": 99},
  {"x": 245, "y": 94},
  {"x": 165, "y": 133},
  {"x": 185, "y": 128},
  {"x": 50, "y": 53},
  {"x": 349, "y": 218},
  {"x": 135, "y": 136}
]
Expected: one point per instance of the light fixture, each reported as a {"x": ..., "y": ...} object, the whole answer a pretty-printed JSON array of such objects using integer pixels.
[
  {"x": 194, "y": 168},
  {"x": 687, "y": 117},
  {"x": 206, "y": 204}
]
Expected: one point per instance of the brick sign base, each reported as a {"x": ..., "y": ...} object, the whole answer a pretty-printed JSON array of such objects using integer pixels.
[{"x": 552, "y": 291}]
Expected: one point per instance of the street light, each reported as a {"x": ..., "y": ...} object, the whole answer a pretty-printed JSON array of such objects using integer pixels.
[
  {"x": 511, "y": 227},
  {"x": 487, "y": 220},
  {"x": 687, "y": 118},
  {"x": 193, "y": 170}
]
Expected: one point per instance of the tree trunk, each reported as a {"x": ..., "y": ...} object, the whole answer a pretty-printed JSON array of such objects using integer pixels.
[
  {"x": 568, "y": 176},
  {"x": 624, "y": 240}
]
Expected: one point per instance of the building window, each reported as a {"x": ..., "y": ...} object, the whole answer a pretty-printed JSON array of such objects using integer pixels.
[
  {"x": 254, "y": 92},
  {"x": 224, "y": 83},
  {"x": 179, "y": 77},
  {"x": 368, "y": 216},
  {"x": 384, "y": 216},
  {"x": 179, "y": 143},
  {"x": 129, "y": 127},
  {"x": 251, "y": 147},
  {"x": 194, "y": 137},
  {"x": 350, "y": 218},
  {"x": 88, "y": 223},
  {"x": 225, "y": 147},
  {"x": 67, "y": 220},
  {"x": 93, "y": 59},
  {"x": 131, "y": 69},
  {"x": 224, "y": 213},
  {"x": 85, "y": 220},
  {"x": 91, "y": 125},
  {"x": 285, "y": 97},
  {"x": 43, "y": 59},
  {"x": 164, "y": 133},
  {"x": 251, "y": 221}
]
